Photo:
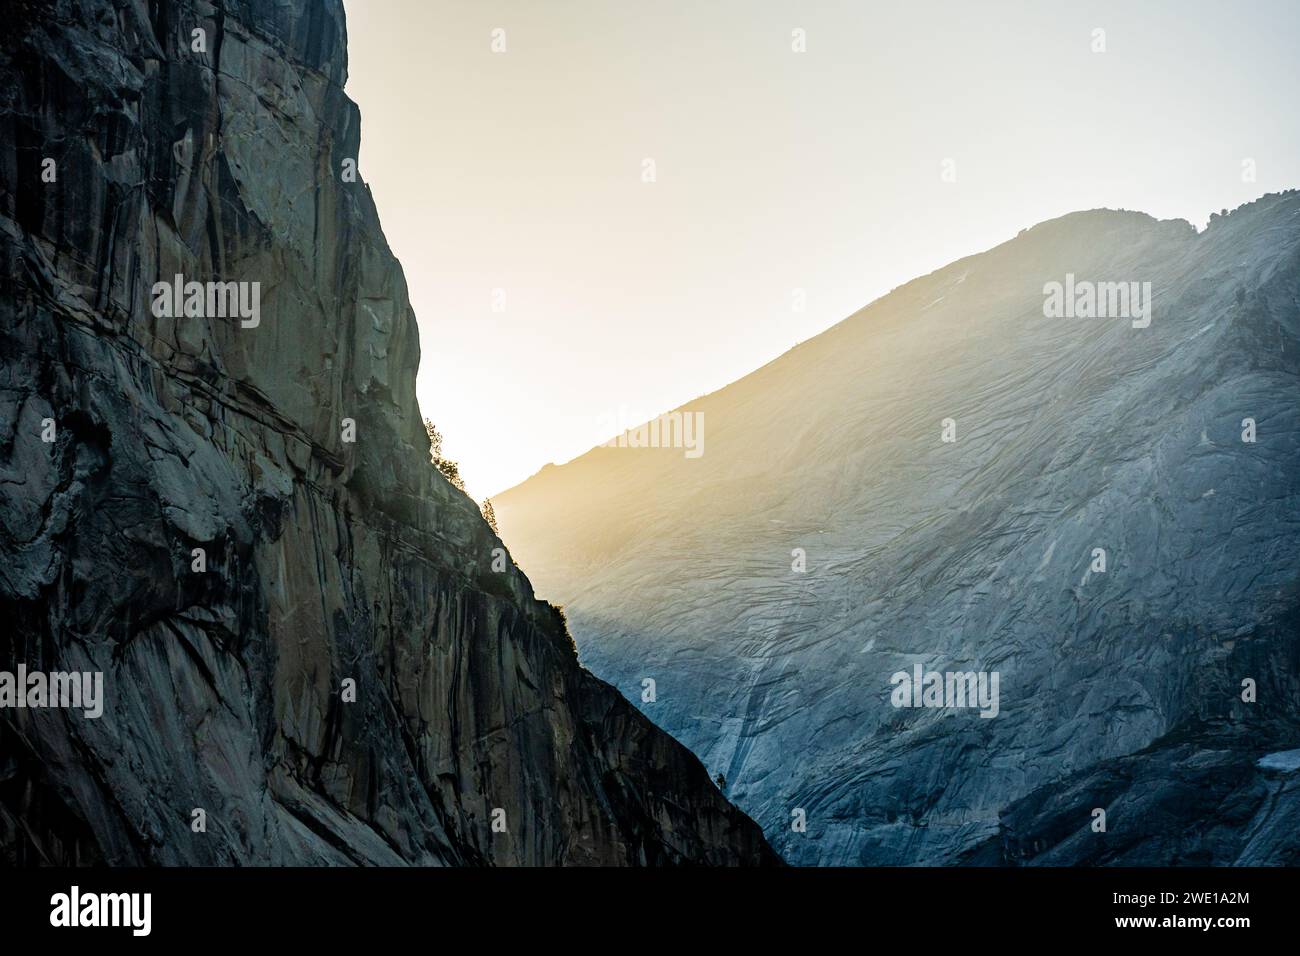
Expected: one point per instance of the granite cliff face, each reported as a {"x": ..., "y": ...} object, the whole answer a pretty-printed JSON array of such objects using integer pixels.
[
  {"x": 222, "y": 155},
  {"x": 1121, "y": 685}
]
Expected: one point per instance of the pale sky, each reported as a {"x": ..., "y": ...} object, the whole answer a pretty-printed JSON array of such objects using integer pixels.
[{"x": 775, "y": 171}]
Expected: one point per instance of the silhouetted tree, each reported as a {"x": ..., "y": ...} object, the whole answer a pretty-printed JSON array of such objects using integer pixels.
[
  {"x": 450, "y": 470},
  {"x": 563, "y": 622},
  {"x": 435, "y": 439},
  {"x": 490, "y": 516}
]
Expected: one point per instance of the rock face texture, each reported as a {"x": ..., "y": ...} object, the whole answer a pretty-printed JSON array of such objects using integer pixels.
[
  {"x": 1120, "y": 689},
  {"x": 222, "y": 155}
]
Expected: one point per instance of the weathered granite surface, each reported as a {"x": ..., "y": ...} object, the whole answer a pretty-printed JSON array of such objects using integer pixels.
[
  {"x": 326, "y": 560},
  {"x": 1119, "y": 691}
]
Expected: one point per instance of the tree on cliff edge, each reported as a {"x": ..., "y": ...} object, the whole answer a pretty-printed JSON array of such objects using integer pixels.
[{"x": 450, "y": 470}]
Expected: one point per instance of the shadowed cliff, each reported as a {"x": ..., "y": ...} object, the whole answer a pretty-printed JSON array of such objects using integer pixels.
[{"x": 224, "y": 157}]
